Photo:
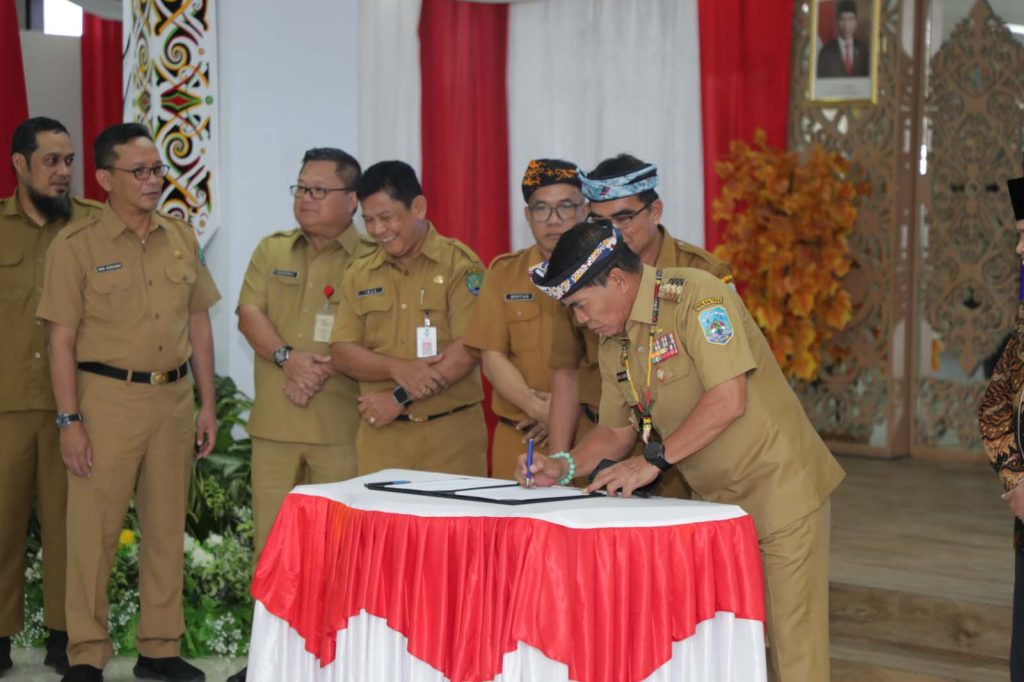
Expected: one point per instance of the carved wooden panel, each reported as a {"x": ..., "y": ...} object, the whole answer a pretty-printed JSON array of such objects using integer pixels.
[
  {"x": 860, "y": 401},
  {"x": 975, "y": 99}
]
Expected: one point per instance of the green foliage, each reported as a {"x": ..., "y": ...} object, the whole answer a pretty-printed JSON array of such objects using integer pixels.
[{"x": 218, "y": 551}]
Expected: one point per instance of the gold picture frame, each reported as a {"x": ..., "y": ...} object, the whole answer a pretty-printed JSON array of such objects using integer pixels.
[{"x": 843, "y": 47}]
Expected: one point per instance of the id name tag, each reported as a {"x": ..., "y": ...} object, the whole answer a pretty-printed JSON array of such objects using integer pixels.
[
  {"x": 322, "y": 328},
  {"x": 426, "y": 342}
]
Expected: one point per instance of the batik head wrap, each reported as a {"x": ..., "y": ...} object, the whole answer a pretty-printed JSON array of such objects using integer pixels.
[
  {"x": 628, "y": 185},
  {"x": 558, "y": 285},
  {"x": 543, "y": 172}
]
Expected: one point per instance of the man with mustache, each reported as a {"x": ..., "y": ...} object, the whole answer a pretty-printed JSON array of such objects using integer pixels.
[{"x": 43, "y": 157}]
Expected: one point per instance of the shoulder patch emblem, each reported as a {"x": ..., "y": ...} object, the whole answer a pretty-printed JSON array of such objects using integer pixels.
[
  {"x": 672, "y": 290},
  {"x": 370, "y": 292},
  {"x": 716, "y": 325},
  {"x": 705, "y": 302},
  {"x": 519, "y": 296},
  {"x": 285, "y": 273},
  {"x": 473, "y": 282},
  {"x": 109, "y": 267}
]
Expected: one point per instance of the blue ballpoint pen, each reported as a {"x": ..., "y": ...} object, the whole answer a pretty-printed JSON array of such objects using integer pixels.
[{"x": 529, "y": 463}]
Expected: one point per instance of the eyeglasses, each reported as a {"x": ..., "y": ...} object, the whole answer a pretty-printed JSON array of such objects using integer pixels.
[
  {"x": 621, "y": 220},
  {"x": 541, "y": 212},
  {"x": 316, "y": 192},
  {"x": 143, "y": 173}
]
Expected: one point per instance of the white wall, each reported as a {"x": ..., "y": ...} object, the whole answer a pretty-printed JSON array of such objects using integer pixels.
[
  {"x": 288, "y": 81},
  {"x": 53, "y": 79}
]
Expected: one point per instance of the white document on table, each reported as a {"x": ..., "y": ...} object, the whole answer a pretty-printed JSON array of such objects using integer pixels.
[{"x": 516, "y": 492}]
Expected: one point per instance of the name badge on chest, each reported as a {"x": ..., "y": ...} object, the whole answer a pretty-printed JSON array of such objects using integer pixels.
[
  {"x": 426, "y": 336},
  {"x": 324, "y": 322}
]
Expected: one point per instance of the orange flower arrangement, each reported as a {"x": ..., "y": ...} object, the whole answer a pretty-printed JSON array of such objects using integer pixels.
[{"x": 787, "y": 222}]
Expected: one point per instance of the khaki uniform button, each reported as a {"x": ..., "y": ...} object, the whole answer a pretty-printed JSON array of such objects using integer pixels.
[
  {"x": 404, "y": 306},
  {"x": 37, "y": 355}
]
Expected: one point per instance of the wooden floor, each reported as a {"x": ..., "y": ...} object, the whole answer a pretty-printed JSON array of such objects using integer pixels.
[{"x": 921, "y": 571}]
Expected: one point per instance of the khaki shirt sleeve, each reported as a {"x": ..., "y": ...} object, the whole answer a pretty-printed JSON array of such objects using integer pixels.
[
  {"x": 488, "y": 328},
  {"x": 461, "y": 300},
  {"x": 254, "y": 285},
  {"x": 716, "y": 335},
  {"x": 63, "y": 280},
  {"x": 348, "y": 326},
  {"x": 204, "y": 291},
  {"x": 567, "y": 343},
  {"x": 614, "y": 408}
]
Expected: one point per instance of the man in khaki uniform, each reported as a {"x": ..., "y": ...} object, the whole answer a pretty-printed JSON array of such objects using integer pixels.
[
  {"x": 511, "y": 324},
  {"x": 622, "y": 190},
  {"x": 684, "y": 364},
  {"x": 126, "y": 295},
  {"x": 42, "y": 155},
  {"x": 399, "y": 330},
  {"x": 304, "y": 419}
]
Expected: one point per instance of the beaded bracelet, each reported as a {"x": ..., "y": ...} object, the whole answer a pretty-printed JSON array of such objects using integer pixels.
[{"x": 571, "y": 474}]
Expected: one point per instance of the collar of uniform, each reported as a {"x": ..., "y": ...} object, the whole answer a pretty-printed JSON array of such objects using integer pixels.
[
  {"x": 643, "y": 304},
  {"x": 431, "y": 248},
  {"x": 114, "y": 226},
  {"x": 11, "y": 207},
  {"x": 667, "y": 251},
  {"x": 349, "y": 239}
]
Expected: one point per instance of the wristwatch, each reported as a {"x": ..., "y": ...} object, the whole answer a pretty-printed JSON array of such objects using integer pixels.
[
  {"x": 281, "y": 355},
  {"x": 654, "y": 453},
  {"x": 65, "y": 420},
  {"x": 401, "y": 396}
]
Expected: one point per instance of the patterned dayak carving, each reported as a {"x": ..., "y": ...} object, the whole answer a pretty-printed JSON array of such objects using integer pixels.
[
  {"x": 854, "y": 398},
  {"x": 976, "y": 106}
]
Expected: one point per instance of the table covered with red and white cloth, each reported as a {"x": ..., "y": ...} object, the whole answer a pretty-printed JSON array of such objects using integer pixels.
[{"x": 364, "y": 585}]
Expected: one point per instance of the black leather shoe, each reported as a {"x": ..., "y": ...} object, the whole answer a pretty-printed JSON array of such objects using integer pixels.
[
  {"x": 5, "y": 655},
  {"x": 83, "y": 673},
  {"x": 174, "y": 668},
  {"x": 239, "y": 676},
  {"x": 57, "y": 651}
]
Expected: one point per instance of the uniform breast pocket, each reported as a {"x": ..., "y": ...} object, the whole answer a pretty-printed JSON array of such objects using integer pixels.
[
  {"x": 435, "y": 306},
  {"x": 523, "y": 325},
  {"x": 377, "y": 313},
  {"x": 283, "y": 294},
  {"x": 15, "y": 278},
  {"x": 181, "y": 279},
  {"x": 672, "y": 369},
  {"x": 110, "y": 295}
]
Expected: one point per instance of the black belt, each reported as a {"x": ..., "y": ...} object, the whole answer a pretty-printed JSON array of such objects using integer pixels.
[
  {"x": 590, "y": 414},
  {"x": 432, "y": 417},
  {"x": 154, "y": 378},
  {"x": 508, "y": 422}
]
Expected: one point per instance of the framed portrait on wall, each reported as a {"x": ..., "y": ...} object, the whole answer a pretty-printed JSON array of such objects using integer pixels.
[{"x": 844, "y": 51}]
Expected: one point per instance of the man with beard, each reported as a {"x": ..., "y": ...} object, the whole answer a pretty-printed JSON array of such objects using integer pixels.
[{"x": 42, "y": 155}]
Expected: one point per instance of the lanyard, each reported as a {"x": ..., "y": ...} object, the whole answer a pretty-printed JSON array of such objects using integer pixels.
[{"x": 643, "y": 406}]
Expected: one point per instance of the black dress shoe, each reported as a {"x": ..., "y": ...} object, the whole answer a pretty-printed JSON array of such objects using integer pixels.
[
  {"x": 83, "y": 673},
  {"x": 239, "y": 676},
  {"x": 57, "y": 651},
  {"x": 174, "y": 668},
  {"x": 5, "y": 655}
]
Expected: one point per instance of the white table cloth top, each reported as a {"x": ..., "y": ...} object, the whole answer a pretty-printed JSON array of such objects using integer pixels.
[{"x": 603, "y": 512}]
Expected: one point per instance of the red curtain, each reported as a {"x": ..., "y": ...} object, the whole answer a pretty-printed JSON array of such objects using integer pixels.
[
  {"x": 13, "y": 97},
  {"x": 101, "y": 89},
  {"x": 745, "y": 50},
  {"x": 464, "y": 127}
]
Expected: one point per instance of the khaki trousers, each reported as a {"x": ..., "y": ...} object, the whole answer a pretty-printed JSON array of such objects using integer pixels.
[
  {"x": 30, "y": 463},
  {"x": 143, "y": 442},
  {"x": 277, "y": 467},
  {"x": 795, "y": 562},
  {"x": 453, "y": 444}
]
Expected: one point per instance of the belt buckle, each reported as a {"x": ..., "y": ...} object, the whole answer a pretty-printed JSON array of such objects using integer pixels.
[
  {"x": 417, "y": 420},
  {"x": 159, "y": 378}
]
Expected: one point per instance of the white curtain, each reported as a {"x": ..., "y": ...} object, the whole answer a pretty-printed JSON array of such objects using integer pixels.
[
  {"x": 589, "y": 79},
  {"x": 389, "y": 81}
]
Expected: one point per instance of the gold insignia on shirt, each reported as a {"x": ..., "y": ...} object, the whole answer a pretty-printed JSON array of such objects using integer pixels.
[
  {"x": 438, "y": 279},
  {"x": 705, "y": 302},
  {"x": 672, "y": 290},
  {"x": 660, "y": 374}
]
